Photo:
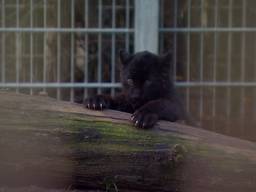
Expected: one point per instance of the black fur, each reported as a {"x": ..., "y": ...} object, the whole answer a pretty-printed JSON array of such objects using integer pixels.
[{"x": 148, "y": 91}]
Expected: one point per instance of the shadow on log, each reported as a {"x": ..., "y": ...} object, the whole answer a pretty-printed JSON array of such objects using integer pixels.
[{"x": 59, "y": 145}]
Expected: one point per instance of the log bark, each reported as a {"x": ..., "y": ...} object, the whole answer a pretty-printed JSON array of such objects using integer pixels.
[{"x": 60, "y": 145}]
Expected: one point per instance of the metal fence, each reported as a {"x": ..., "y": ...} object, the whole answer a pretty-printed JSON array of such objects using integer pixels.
[
  {"x": 214, "y": 51},
  {"x": 69, "y": 49},
  {"x": 53, "y": 41}
]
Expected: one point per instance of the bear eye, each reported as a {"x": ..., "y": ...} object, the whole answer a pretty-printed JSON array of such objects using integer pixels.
[
  {"x": 148, "y": 82},
  {"x": 130, "y": 82}
]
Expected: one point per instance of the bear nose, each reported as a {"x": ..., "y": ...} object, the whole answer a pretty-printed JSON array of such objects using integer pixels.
[{"x": 135, "y": 96}]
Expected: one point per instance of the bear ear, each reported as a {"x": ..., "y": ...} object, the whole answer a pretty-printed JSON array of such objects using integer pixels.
[
  {"x": 124, "y": 56},
  {"x": 166, "y": 59},
  {"x": 166, "y": 62}
]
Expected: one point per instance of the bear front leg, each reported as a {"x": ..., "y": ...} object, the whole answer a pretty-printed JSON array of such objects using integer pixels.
[
  {"x": 161, "y": 109},
  {"x": 98, "y": 102}
]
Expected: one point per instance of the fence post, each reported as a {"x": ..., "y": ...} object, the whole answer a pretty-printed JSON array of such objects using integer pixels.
[{"x": 146, "y": 25}]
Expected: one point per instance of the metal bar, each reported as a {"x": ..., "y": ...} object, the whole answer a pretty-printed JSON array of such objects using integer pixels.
[
  {"x": 230, "y": 36},
  {"x": 58, "y": 48},
  {"x": 45, "y": 42},
  {"x": 99, "y": 72},
  {"x": 146, "y": 25},
  {"x": 67, "y": 30},
  {"x": 86, "y": 55},
  {"x": 161, "y": 36},
  {"x": 72, "y": 49},
  {"x": 201, "y": 63},
  {"x": 215, "y": 53},
  {"x": 60, "y": 85},
  {"x": 116, "y": 85},
  {"x": 113, "y": 46},
  {"x": 188, "y": 57},
  {"x": 216, "y": 84},
  {"x": 175, "y": 16},
  {"x": 18, "y": 44},
  {"x": 3, "y": 43},
  {"x": 243, "y": 41},
  {"x": 127, "y": 23},
  {"x": 125, "y": 30},
  {"x": 31, "y": 45},
  {"x": 208, "y": 29},
  {"x": 243, "y": 45}
]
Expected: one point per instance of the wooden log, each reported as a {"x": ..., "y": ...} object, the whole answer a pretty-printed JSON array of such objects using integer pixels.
[{"x": 59, "y": 145}]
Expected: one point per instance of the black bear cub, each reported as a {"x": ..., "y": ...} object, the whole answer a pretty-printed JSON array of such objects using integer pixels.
[{"x": 148, "y": 91}]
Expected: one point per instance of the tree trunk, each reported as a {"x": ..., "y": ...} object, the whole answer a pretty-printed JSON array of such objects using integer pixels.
[{"x": 60, "y": 145}]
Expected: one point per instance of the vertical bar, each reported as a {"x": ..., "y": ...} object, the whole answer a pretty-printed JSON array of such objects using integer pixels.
[
  {"x": 230, "y": 36},
  {"x": 215, "y": 53},
  {"x": 58, "y": 48},
  {"x": 188, "y": 57},
  {"x": 127, "y": 22},
  {"x": 99, "y": 46},
  {"x": 86, "y": 63},
  {"x": 18, "y": 42},
  {"x": 31, "y": 45},
  {"x": 45, "y": 42},
  {"x": 242, "y": 107},
  {"x": 175, "y": 11},
  {"x": 161, "y": 36},
  {"x": 201, "y": 61},
  {"x": 146, "y": 25},
  {"x": 3, "y": 43},
  {"x": 72, "y": 66},
  {"x": 113, "y": 41}
]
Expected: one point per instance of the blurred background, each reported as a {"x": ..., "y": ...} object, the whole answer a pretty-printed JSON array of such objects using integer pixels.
[{"x": 68, "y": 49}]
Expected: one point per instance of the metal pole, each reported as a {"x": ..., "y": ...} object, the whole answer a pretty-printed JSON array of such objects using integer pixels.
[{"x": 146, "y": 25}]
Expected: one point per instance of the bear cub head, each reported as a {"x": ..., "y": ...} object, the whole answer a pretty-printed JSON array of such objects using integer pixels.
[{"x": 145, "y": 77}]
